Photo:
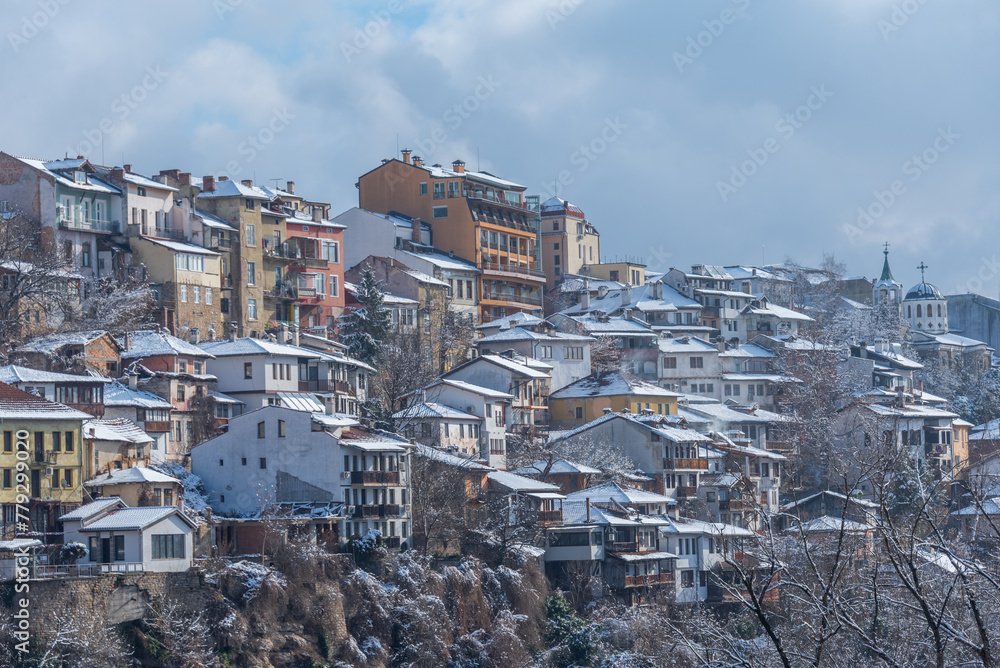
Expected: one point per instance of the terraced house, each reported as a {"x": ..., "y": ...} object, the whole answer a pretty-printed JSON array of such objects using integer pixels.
[
  {"x": 475, "y": 215},
  {"x": 47, "y": 437}
]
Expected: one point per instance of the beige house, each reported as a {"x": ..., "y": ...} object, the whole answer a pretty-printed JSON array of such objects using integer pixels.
[
  {"x": 138, "y": 486},
  {"x": 569, "y": 241}
]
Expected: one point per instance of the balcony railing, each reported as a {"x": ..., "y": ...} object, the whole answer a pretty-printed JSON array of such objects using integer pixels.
[
  {"x": 623, "y": 547},
  {"x": 695, "y": 464},
  {"x": 310, "y": 263},
  {"x": 390, "y": 510},
  {"x": 646, "y": 580},
  {"x": 315, "y": 385},
  {"x": 216, "y": 243},
  {"x": 78, "y": 222},
  {"x": 512, "y": 269},
  {"x": 368, "y": 510},
  {"x": 374, "y": 477},
  {"x": 97, "y": 410},
  {"x": 307, "y": 293},
  {"x": 520, "y": 299},
  {"x": 548, "y": 516},
  {"x": 157, "y": 426},
  {"x": 686, "y": 491},
  {"x": 392, "y": 542},
  {"x": 282, "y": 292}
]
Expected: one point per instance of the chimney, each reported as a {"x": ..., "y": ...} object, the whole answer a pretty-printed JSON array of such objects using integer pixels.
[
  {"x": 406, "y": 155},
  {"x": 290, "y": 187},
  {"x": 128, "y": 168},
  {"x": 223, "y": 178},
  {"x": 282, "y": 333},
  {"x": 330, "y": 403},
  {"x": 194, "y": 336},
  {"x": 418, "y": 161},
  {"x": 627, "y": 295},
  {"x": 174, "y": 174},
  {"x": 295, "y": 334},
  {"x": 317, "y": 213},
  {"x": 415, "y": 228},
  {"x": 232, "y": 330},
  {"x": 247, "y": 182},
  {"x": 721, "y": 345},
  {"x": 211, "y": 333},
  {"x": 458, "y": 167},
  {"x": 117, "y": 174},
  {"x": 208, "y": 183},
  {"x": 588, "y": 510},
  {"x": 606, "y": 410},
  {"x": 184, "y": 178},
  {"x": 133, "y": 381},
  {"x": 585, "y": 298}
]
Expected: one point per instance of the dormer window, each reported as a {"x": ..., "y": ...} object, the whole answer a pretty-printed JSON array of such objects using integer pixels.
[{"x": 79, "y": 176}]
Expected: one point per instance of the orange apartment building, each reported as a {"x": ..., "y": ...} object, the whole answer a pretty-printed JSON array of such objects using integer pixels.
[{"x": 475, "y": 215}]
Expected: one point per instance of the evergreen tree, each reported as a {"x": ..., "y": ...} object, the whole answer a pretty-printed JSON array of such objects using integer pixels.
[{"x": 363, "y": 328}]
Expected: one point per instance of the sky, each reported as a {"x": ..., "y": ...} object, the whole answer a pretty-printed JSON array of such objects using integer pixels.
[{"x": 715, "y": 132}]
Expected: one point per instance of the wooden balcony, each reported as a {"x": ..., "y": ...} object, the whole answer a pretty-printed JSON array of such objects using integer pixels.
[
  {"x": 97, "y": 410},
  {"x": 622, "y": 547},
  {"x": 690, "y": 464},
  {"x": 549, "y": 517},
  {"x": 684, "y": 492},
  {"x": 733, "y": 504},
  {"x": 368, "y": 510},
  {"x": 648, "y": 580},
  {"x": 159, "y": 426},
  {"x": 374, "y": 477},
  {"x": 392, "y": 542},
  {"x": 390, "y": 510}
]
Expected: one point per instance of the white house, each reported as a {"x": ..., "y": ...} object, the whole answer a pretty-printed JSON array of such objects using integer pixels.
[
  {"x": 567, "y": 354},
  {"x": 493, "y": 406},
  {"x": 121, "y": 539},
  {"x": 525, "y": 378}
]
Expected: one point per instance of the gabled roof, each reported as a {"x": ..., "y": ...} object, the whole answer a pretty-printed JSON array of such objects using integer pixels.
[
  {"x": 149, "y": 343},
  {"x": 612, "y": 491},
  {"x": 611, "y": 383},
  {"x": 52, "y": 343},
  {"x": 516, "y": 483},
  {"x": 117, "y": 430},
  {"x": 248, "y": 346},
  {"x": 515, "y": 320},
  {"x": 52, "y": 169},
  {"x": 686, "y": 344},
  {"x": 88, "y": 510},
  {"x": 133, "y": 519},
  {"x": 17, "y": 404},
  {"x": 828, "y": 524},
  {"x": 673, "y": 434},
  {"x": 12, "y": 374},
  {"x": 230, "y": 188},
  {"x": 859, "y": 502},
  {"x": 523, "y": 334},
  {"x": 213, "y": 221},
  {"x": 118, "y": 394},
  {"x": 503, "y": 362},
  {"x": 181, "y": 246},
  {"x": 560, "y": 466},
  {"x": 469, "y": 387},
  {"x": 133, "y": 476},
  {"x": 449, "y": 459},
  {"x": 432, "y": 410}
]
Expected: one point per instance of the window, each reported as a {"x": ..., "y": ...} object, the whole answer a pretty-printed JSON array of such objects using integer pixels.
[
  {"x": 423, "y": 188},
  {"x": 251, "y": 309},
  {"x": 251, "y": 235},
  {"x": 184, "y": 292},
  {"x": 260, "y": 429},
  {"x": 86, "y": 255},
  {"x": 169, "y": 546},
  {"x": 331, "y": 251},
  {"x": 67, "y": 478},
  {"x": 334, "y": 286},
  {"x": 440, "y": 212},
  {"x": 250, "y": 205},
  {"x": 189, "y": 262},
  {"x": 263, "y": 462},
  {"x": 687, "y": 578},
  {"x": 247, "y": 370},
  {"x": 697, "y": 362},
  {"x": 8, "y": 478},
  {"x": 573, "y": 352},
  {"x": 208, "y": 296},
  {"x": 251, "y": 273},
  {"x": 669, "y": 362},
  {"x": 69, "y": 441},
  {"x": 454, "y": 188},
  {"x": 197, "y": 294},
  {"x": 438, "y": 191},
  {"x": 468, "y": 289},
  {"x": 546, "y": 352},
  {"x": 8, "y": 441},
  {"x": 579, "y": 412},
  {"x": 119, "y": 548},
  {"x": 281, "y": 428},
  {"x": 181, "y": 393}
]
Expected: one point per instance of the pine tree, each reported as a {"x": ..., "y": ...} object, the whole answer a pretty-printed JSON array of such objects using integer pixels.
[{"x": 363, "y": 328}]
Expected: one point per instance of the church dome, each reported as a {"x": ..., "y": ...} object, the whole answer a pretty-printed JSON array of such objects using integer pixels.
[{"x": 923, "y": 291}]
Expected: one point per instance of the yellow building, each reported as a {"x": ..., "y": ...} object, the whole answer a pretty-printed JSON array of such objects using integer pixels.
[
  {"x": 45, "y": 439},
  {"x": 632, "y": 273},
  {"x": 589, "y": 398},
  {"x": 569, "y": 241},
  {"x": 960, "y": 447}
]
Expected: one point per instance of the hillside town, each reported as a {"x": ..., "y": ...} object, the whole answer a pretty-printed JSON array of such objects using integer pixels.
[{"x": 199, "y": 370}]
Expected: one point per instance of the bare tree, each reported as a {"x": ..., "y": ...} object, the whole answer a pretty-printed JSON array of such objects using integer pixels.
[
  {"x": 182, "y": 634},
  {"x": 440, "y": 493}
]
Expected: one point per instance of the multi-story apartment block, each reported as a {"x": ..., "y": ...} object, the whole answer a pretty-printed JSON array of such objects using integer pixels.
[
  {"x": 478, "y": 216},
  {"x": 47, "y": 437},
  {"x": 316, "y": 245},
  {"x": 569, "y": 240}
]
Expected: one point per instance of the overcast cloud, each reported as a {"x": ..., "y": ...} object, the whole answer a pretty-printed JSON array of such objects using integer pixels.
[{"x": 667, "y": 122}]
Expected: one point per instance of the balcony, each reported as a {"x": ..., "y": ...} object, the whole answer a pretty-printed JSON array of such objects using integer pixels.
[
  {"x": 392, "y": 542},
  {"x": 79, "y": 222},
  {"x": 279, "y": 252},
  {"x": 390, "y": 510},
  {"x": 367, "y": 510},
  {"x": 315, "y": 385},
  {"x": 518, "y": 299},
  {"x": 282, "y": 292},
  {"x": 733, "y": 504},
  {"x": 97, "y": 410},
  {"x": 511, "y": 271},
  {"x": 157, "y": 426},
  {"x": 548, "y": 517},
  {"x": 374, "y": 477},
  {"x": 307, "y": 293},
  {"x": 622, "y": 547},
  {"x": 686, "y": 491},
  {"x": 691, "y": 464},
  {"x": 216, "y": 243},
  {"x": 647, "y": 580},
  {"x": 309, "y": 263}
]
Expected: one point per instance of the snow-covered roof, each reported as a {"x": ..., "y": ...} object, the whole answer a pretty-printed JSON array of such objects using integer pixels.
[
  {"x": 126, "y": 519},
  {"x": 827, "y": 524},
  {"x": 989, "y": 507},
  {"x": 224, "y": 398},
  {"x": 374, "y": 441},
  {"x": 612, "y": 383},
  {"x": 860, "y": 502},
  {"x": 117, "y": 430},
  {"x": 149, "y": 343},
  {"x": 560, "y": 466},
  {"x": 686, "y": 344},
  {"x": 213, "y": 221},
  {"x": 230, "y": 188},
  {"x": 248, "y": 346},
  {"x": 132, "y": 476},
  {"x": 52, "y": 343},
  {"x": 741, "y": 271},
  {"x": 517, "y": 483},
  {"x": 300, "y": 401},
  {"x": 93, "y": 508},
  {"x": 449, "y": 459},
  {"x": 181, "y": 246},
  {"x": 719, "y": 411},
  {"x": 16, "y": 544},
  {"x": 139, "y": 180},
  {"x": 515, "y": 320},
  {"x": 469, "y": 387},
  {"x": 52, "y": 168},
  {"x": 612, "y": 491},
  {"x": 779, "y": 312},
  {"x": 432, "y": 410},
  {"x": 505, "y": 363},
  {"x": 558, "y": 205},
  {"x": 300, "y": 218},
  {"x": 335, "y": 420},
  {"x": 13, "y": 374},
  {"x": 17, "y": 404},
  {"x": 522, "y": 334},
  {"x": 442, "y": 260}
]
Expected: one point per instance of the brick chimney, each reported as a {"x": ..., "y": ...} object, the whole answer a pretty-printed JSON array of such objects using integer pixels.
[
  {"x": 223, "y": 178},
  {"x": 128, "y": 168},
  {"x": 406, "y": 155},
  {"x": 184, "y": 179},
  {"x": 247, "y": 182},
  {"x": 458, "y": 166},
  {"x": 171, "y": 174},
  {"x": 117, "y": 174},
  {"x": 208, "y": 184},
  {"x": 415, "y": 228},
  {"x": 290, "y": 187},
  {"x": 418, "y": 161}
]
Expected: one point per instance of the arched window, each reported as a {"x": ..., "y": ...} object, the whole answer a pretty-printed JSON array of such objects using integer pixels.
[
  {"x": 919, "y": 311},
  {"x": 909, "y": 311},
  {"x": 939, "y": 310}
]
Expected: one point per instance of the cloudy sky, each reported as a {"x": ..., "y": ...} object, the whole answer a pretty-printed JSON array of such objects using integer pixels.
[{"x": 718, "y": 131}]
